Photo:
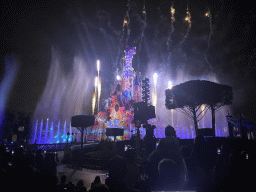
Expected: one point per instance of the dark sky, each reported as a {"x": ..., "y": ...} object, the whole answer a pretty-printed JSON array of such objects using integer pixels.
[{"x": 30, "y": 29}]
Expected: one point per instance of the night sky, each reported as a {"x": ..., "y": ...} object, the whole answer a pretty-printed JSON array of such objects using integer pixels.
[{"x": 93, "y": 30}]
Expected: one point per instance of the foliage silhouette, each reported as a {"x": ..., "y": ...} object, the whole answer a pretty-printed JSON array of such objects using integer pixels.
[{"x": 191, "y": 95}]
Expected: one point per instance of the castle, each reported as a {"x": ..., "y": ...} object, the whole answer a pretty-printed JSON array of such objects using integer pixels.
[{"x": 119, "y": 112}]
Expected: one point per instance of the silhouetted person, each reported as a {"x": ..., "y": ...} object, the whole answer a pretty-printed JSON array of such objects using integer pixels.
[
  {"x": 185, "y": 151},
  {"x": 96, "y": 181},
  {"x": 199, "y": 154},
  {"x": 99, "y": 188},
  {"x": 149, "y": 141},
  {"x": 30, "y": 159},
  {"x": 39, "y": 160},
  {"x": 80, "y": 186},
  {"x": 198, "y": 165},
  {"x": 83, "y": 189},
  {"x": 170, "y": 131},
  {"x": 117, "y": 173},
  {"x": 168, "y": 148},
  {"x": 169, "y": 176},
  {"x": 132, "y": 168},
  {"x": 62, "y": 183},
  {"x": 118, "y": 168}
]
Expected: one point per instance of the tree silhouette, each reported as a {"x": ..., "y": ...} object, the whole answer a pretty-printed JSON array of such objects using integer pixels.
[
  {"x": 191, "y": 95},
  {"x": 218, "y": 96}
]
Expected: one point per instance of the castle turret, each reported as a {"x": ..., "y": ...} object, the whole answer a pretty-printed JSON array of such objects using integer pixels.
[
  {"x": 128, "y": 73},
  {"x": 137, "y": 89}
]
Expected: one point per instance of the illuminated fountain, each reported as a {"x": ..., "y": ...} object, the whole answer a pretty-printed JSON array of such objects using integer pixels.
[{"x": 63, "y": 97}]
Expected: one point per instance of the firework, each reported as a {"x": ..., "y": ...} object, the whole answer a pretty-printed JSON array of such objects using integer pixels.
[
  {"x": 172, "y": 12},
  {"x": 144, "y": 25},
  {"x": 98, "y": 67},
  {"x": 154, "y": 97},
  {"x": 188, "y": 19},
  {"x": 208, "y": 14},
  {"x": 93, "y": 103},
  {"x": 99, "y": 92},
  {"x": 170, "y": 85}
]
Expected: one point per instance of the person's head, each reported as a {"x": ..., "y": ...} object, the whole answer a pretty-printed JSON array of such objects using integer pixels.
[
  {"x": 130, "y": 155},
  {"x": 97, "y": 179},
  {"x": 169, "y": 174},
  {"x": 80, "y": 183},
  {"x": 170, "y": 131},
  {"x": 63, "y": 179},
  {"x": 117, "y": 168}
]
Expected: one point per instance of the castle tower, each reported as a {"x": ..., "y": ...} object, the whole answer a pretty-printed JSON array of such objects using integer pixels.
[
  {"x": 128, "y": 72},
  {"x": 137, "y": 89}
]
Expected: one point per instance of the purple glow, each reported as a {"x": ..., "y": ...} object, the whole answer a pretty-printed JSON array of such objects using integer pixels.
[
  {"x": 46, "y": 132},
  {"x": 35, "y": 133},
  {"x": 40, "y": 132},
  {"x": 10, "y": 72}
]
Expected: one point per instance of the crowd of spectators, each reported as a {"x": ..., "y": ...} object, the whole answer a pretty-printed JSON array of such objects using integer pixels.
[
  {"x": 36, "y": 170},
  {"x": 168, "y": 167},
  {"x": 171, "y": 167}
]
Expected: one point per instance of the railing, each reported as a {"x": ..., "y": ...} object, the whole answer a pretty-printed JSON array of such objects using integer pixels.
[
  {"x": 58, "y": 146},
  {"x": 47, "y": 147}
]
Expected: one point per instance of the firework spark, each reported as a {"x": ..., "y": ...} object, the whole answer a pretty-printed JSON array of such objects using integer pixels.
[
  {"x": 208, "y": 14},
  {"x": 188, "y": 19}
]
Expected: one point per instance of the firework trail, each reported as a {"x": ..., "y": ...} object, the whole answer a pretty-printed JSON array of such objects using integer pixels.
[
  {"x": 208, "y": 14},
  {"x": 116, "y": 64},
  {"x": 105, "y": 17},
  {"x": 172, "y": 11},
  {"x": 144, "y": 25},
  {"x": 99, "y": 83},
  {"x": 99, "y": 93},
  {"x": 126, "y": 23},
  {"x": 157, "y": 25},
  {"x": 93, "y": 103},
  {"x": 188, "y": 19},
  {"x": 89, "y": 39}
]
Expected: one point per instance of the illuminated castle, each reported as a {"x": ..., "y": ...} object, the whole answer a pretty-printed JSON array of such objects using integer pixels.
[{"x": 119, "y": 108}]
